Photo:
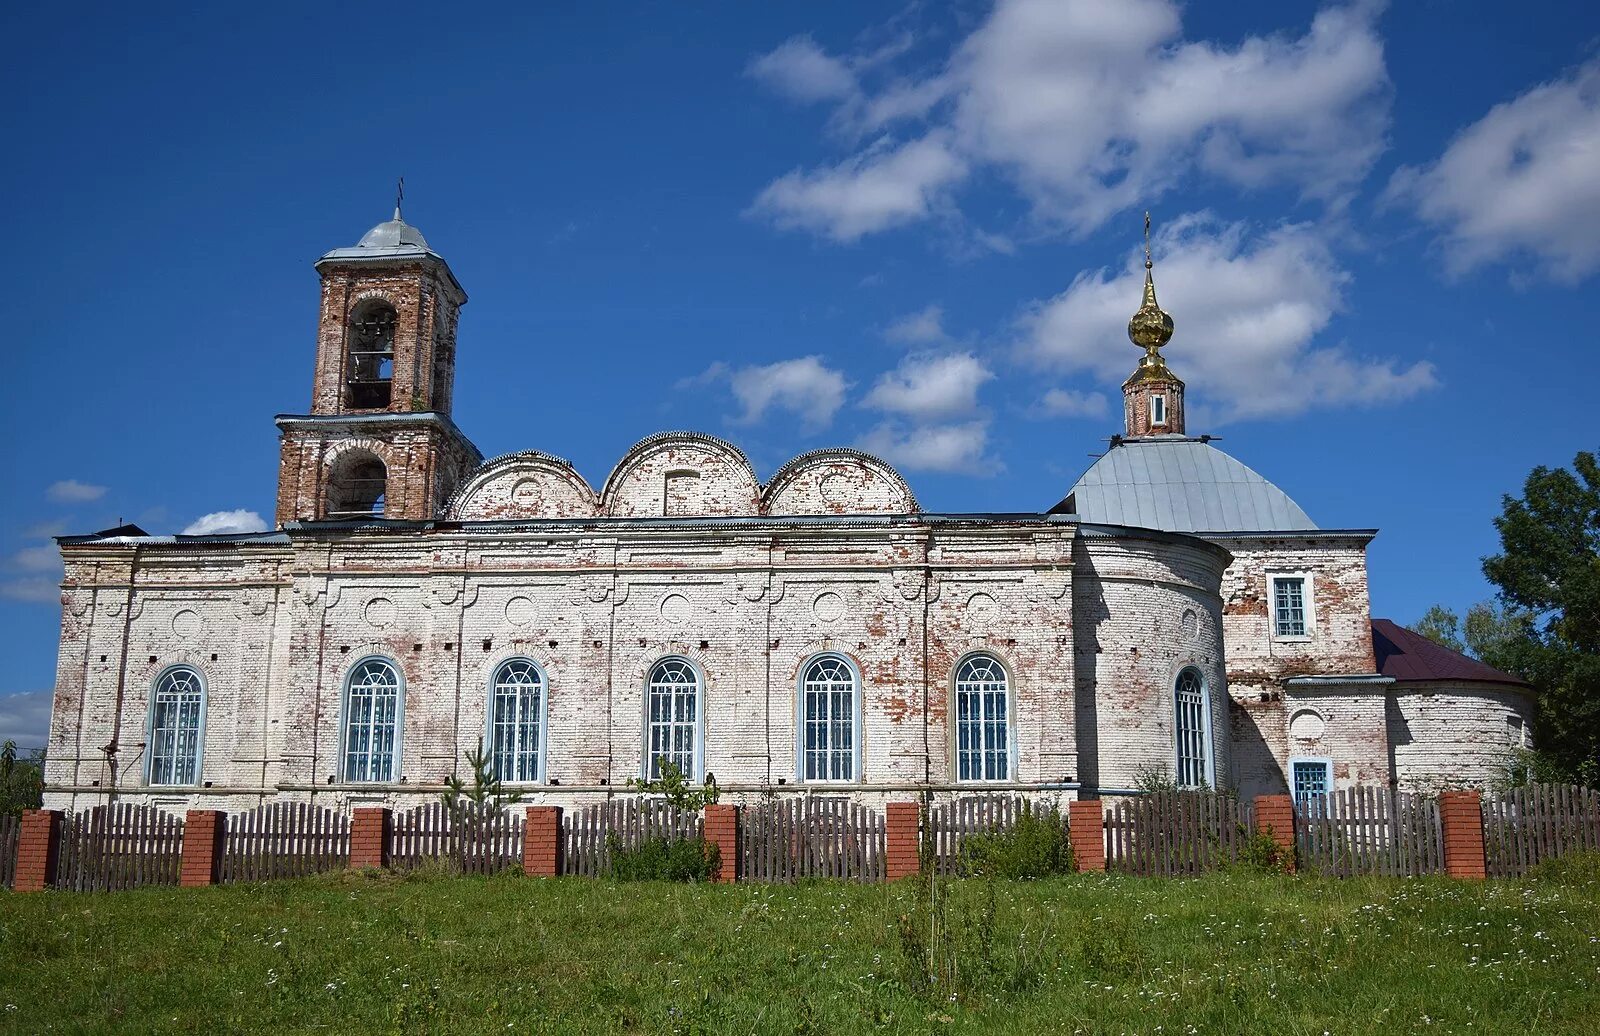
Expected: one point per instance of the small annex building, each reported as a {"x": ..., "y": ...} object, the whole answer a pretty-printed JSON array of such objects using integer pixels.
[{"x": 819, "y": 632}]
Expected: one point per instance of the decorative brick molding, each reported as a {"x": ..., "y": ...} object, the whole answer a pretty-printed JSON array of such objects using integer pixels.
[
  {"x": 38, "y": 849},
  {"x": 541, "y": 842},
  {"x": 722, "y": 831},
  {"x": 903, "y": 820},
  {"x": 369, "y": 836},
  {"x": 1086, "y": 827},
  {"x": 203, "y": 831},
  {"x": 1461, "y": 816},
  {"x": 1275, "y": 819}
]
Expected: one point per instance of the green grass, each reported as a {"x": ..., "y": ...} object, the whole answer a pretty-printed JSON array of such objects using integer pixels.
[{"x": 1230, "y": 953}]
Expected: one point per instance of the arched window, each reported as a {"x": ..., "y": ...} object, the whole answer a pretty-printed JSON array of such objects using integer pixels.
[
  {"x": 983, "y": 727},
  {"x": 828, "y": 720},
  {"x": 177, "y": 718},
  {"x": 672, "y": 718},
  {"x": 369, "y": 375},
  {"x": 357, "y": 485},
  {"x": 1192, "y": 728},
  {"x": 373, "y": 701},
  {"x": 516, "y": 721}
]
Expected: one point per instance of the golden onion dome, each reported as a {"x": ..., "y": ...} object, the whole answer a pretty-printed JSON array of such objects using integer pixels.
[{"x": 1151, "y": 326}]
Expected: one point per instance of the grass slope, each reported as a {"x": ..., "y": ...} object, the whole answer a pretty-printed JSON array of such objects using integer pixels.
[{"x": 1093, "y": 954}]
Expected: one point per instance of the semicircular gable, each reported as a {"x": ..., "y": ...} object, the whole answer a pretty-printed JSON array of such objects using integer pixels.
[
  {"x": 529, "y": 484},
  {"x": 682, "y": 474},
  {"x": 838, "y": 481}
]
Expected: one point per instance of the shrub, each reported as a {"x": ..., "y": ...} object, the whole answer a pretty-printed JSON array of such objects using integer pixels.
[
  {"x": 1035, "y": 847},
  {"x": 1261, "y": 852},
  {"x": 1581, "y": 867},
  {"x": 664, "y": 859}
]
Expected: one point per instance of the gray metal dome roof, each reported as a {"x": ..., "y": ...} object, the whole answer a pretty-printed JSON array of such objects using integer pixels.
[
  {"x": 393, "y": 234},
  {"x": 1179, "y": 484}
]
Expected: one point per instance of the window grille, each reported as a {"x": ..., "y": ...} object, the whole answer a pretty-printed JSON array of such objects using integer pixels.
[
  {"x": 1194, "y": 749},
  {"x": 370, "y": 373},
  {"x": 1312, "y": 779},
  {"x": 674, "y": 704},
  {"x": 983, "y": 751},
  {"x": 1289, "y": 606},
  {"x": 175, "y": 712},
  {"x": 372, "y": 721},
  {"x": 515, "y": 719},
  {"x": 828, "y": 693}
]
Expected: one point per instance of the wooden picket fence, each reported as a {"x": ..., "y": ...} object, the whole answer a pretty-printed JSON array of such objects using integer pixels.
[
  {"x": 284, "y": 840},
  {"x": 1524, "y": 826},
  {"x": 480, "y": 840},
  {"x": 949, "y": 823},
  {"x": 787, "y": 839},
  {"x": 1176, "y": 833},
  {"x": 119, "y": 846},
  {"x": 10, "y": 832},
  {"x": 586, "y": 832},
  {"x": 1369, "y": 830}
]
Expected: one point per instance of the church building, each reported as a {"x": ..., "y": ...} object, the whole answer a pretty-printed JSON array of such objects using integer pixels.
[{"x": 1175, "y": 617}]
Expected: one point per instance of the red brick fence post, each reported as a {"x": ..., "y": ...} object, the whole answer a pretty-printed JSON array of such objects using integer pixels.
[
  {"x": 369, "y": 836},
  {"x": 203, "y": 831},
  {"x": 722, "y": 830},
  {"x": 902, "y": 840},
  {"x": 1461, "y": 816},
  {"x": 1086, "y": 829},
  {"x": 541, "y": 842},
  {"x": 1275, "y": 819},
  {"x": 38, "y": 849}
]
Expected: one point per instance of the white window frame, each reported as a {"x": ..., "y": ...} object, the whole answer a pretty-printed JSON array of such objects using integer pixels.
[
  {"x": 1009, "y": 717},
  {"x": 395, "y": 759},
  {"x": 1321, "y": 760},
  {"x": 1158, "y": 401},
  {"x": 199, "y": 752},
  {"x": 1308, "y": 598},
  {"x": 1208, "y": 744},
  {"x": 541, "y": 714},
  {"x": 697, "y": 725},
  {"x": 800, "y": 729}
]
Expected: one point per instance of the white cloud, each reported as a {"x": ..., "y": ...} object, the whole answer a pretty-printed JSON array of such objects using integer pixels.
[
  {"x": 222, "y": 522},
  {"x": 1089, "y": 106},
  {"x": 799, "y": 69},
  {"x": 1069, "y": 403},
  {"x": 885, "y": 186},
  {"x": 805, "y": 387},
  {"x": 929, "y": 387},
  {"x": 924, "y": 327},
  {"x": 25, "y": 718},
  {"x": 1247, "y": 309},
  {"x": 957, "y": 448},
  {"x": 71, "y": 491},
  {"x": 37, "y": 559},
  {"x": 1522, "y": 180}
]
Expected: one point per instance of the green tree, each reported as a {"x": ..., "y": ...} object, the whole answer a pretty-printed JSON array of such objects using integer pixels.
[
  {"x": 1439, "y": 624},
  {"x": 1547, "y": 629},
  {"x": 21, "y": 781}
]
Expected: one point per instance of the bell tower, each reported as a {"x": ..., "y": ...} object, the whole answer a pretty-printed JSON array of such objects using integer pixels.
[
  {"x": 379, "y": 441},
  {"x": 1152, "y": 397}
]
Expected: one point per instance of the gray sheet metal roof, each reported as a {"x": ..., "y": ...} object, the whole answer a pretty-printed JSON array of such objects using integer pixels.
[{"x": 1179, "y": 484}]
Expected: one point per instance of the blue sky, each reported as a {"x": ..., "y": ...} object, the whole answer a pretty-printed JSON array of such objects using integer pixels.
[{"x": 911, "y": 228}]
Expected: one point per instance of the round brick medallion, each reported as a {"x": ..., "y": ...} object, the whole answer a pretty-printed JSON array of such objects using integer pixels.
[
  {"x": 828, "y": 606},
  {"x": 519, "y": 611},
  {"x": 186, "y": 623},
  {"x": 380, "y": 612},
  {"x": 1307, "y": 725},
  {"x": 675, "y": 608},
  {"x": 981, "y": 608}
]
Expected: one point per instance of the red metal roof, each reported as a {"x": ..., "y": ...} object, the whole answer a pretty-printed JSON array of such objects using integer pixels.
[{"x": 1407, "y": 655}]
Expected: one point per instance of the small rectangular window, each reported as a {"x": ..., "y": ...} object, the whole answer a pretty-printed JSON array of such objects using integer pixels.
[
  {"x": 1311, "y": 778},
  {"x": 1291, "y": 610},
  {"x": 1158, "y": 409}
]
